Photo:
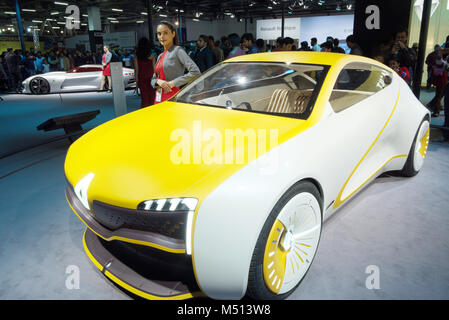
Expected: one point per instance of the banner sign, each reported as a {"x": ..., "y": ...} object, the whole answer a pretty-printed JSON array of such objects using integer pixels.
[{"x": 271, "y": 29}]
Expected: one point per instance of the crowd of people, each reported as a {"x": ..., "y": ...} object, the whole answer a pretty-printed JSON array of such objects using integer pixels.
[{"x": 206, "y": 52}]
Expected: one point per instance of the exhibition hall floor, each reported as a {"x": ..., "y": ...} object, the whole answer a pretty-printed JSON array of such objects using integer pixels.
[{"x": 399, "y": 225}]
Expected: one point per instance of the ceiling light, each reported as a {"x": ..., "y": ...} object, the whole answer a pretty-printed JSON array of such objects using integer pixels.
[
  {"x": 118, "y": 10},
  {"x": 113, "y": 21},
  {"x": 349, "y": 6},
  {"x": 194, "y": 19},
  {"x": 85, "y": 15},
  {"x": 29, "y": 10},
  {"x": 139, "y": 21},
  {"x": 162, "y": 15},
  {"x": 56, "y": 27},
  {"x": 9, "y": 12},
  {"x": 62, "y": 3},
  {"x": 37, "y": 21},
  {"x": 61, "y": 23},
  {"x": 144, "y": 13},
  {"x": 53, "y": 13}
]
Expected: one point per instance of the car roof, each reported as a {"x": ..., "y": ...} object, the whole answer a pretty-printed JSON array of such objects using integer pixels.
[{"x": 309, "y": 57}]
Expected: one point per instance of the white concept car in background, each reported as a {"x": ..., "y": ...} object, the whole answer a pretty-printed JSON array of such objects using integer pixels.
[
  {"x": 83, "y": 78},
  {"x": 223, "y": 189}
]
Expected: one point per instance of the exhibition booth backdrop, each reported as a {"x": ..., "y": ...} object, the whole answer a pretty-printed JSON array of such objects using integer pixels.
[{"x": 306, "y": 28}]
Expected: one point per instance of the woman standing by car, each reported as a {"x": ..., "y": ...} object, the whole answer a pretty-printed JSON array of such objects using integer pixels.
[
  {"x": 170, "y": 66},
  {"x": 106, "y": 69},
  {"x": 144, "y": 69}
]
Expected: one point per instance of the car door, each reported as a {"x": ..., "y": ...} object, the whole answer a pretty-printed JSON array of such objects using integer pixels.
[
  {"x": 363, "y": 100},
  {"x": 84, "y": 78}
]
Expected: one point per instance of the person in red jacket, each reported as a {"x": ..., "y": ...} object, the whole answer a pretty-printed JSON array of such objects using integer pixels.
[
  {"x": 401, "y": 71},
  {"x": 144, "y": 69}
]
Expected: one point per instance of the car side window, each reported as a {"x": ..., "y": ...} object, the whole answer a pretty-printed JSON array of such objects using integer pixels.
[{"x": 356, "y": 82}]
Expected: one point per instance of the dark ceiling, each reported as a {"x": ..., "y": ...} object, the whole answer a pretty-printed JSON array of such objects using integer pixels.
[{"x": 134, "y": 10}]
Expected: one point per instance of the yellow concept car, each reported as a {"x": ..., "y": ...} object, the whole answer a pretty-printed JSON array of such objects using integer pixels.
[{"x": 222, "y": 190}]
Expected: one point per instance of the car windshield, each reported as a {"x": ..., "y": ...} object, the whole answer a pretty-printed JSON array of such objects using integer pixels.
[{"x": 285, "y": 89}]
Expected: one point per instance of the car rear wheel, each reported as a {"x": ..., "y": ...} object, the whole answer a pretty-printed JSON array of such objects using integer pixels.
[
  {"x": 39, "y": 85},
  {"x": 287, "y": 244},
  {"x": 418, "y": 150}
]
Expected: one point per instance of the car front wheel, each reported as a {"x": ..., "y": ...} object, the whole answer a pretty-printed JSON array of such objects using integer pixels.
[
  {"x": 39, "y": 85},
  {"x": 287, "y": 243}
]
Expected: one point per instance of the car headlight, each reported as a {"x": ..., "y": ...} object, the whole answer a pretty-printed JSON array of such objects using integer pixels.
[
  {"x": 173, "y": 204},
  {"x": 187, "y": 205}
]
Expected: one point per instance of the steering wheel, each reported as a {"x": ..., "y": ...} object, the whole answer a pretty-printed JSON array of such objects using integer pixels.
[{"x": 246, "y": 104}]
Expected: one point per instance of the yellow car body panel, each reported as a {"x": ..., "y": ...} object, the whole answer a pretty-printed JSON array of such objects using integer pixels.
[
  {"x": 134, "y": 150},
  {"x": 131, "y": 155}
]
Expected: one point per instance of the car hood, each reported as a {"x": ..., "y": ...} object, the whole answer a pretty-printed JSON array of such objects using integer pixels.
[{"x": 135, "y": 157}]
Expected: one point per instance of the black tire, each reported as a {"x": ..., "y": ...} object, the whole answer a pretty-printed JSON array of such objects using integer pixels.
[
  {"x": 257, "y": 288},
  {"x": 39, "y": 85},
  {"x": 409, "y": 168}
]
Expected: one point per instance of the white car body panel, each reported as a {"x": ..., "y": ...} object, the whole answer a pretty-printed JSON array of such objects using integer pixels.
[
  {"x": 61, "y": 81},
  {"x": 229, "y": 221}
]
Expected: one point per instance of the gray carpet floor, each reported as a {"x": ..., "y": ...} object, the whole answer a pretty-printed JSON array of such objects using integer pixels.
[{"x": 399, "y": 225}]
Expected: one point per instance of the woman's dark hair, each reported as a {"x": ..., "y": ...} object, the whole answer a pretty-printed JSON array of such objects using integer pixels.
[
  {"x": 172, "y": 29},
  {"x": 144, "y": 47}
]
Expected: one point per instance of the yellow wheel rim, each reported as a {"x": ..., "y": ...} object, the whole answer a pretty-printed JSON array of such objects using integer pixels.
[
  {"x": 274, "y": 258},
  {"x": 291, "y": 243},
  {"x": 424, "y": 143}
]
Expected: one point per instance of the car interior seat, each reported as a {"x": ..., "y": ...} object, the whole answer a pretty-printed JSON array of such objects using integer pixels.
[{"x": 289, "y": 101}]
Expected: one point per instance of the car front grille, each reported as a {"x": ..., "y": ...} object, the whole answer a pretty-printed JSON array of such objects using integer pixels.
[
  {"x": 150, "y": 263},
  {"x": 167, "y": 223}
]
